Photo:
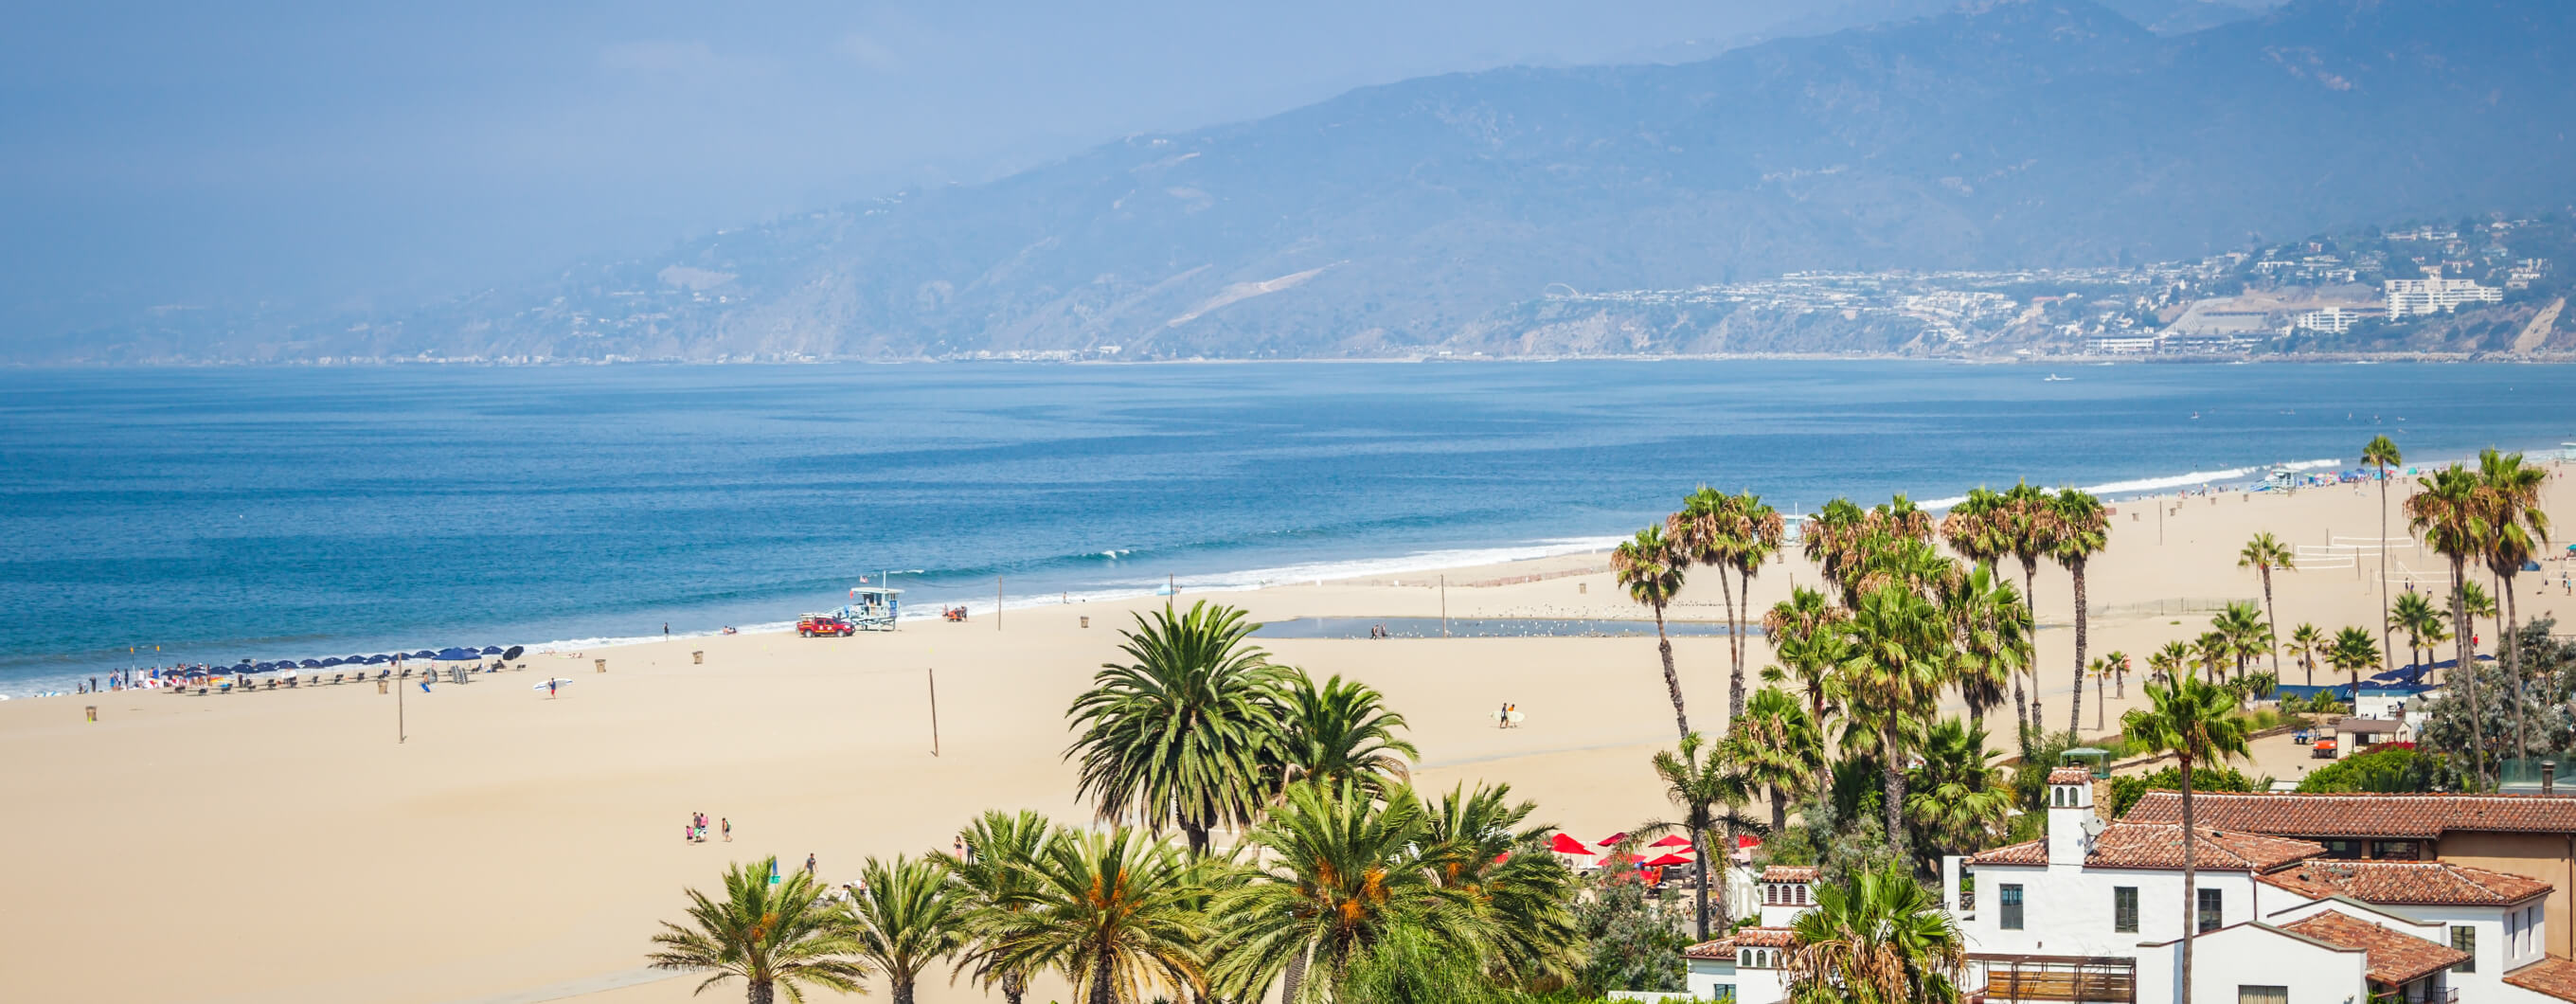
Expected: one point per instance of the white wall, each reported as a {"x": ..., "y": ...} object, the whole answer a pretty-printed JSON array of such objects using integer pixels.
[
  {"x": 1751, "y": 986},
  {"x": 2067, "y": 910},
  {"x": 2254, "y": 955}
]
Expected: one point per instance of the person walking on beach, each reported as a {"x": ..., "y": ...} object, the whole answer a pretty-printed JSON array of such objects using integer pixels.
[
  {"x": 666, "y": 629},
  {"x": 728, "y": 828},
  {"x": 809, "y": 862}
]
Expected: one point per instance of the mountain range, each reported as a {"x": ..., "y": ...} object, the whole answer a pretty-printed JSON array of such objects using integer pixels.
[{"x": 1427, "y": 215}]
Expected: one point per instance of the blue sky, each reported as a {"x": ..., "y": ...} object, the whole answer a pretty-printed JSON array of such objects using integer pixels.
[{"x": 326, "y": 154}]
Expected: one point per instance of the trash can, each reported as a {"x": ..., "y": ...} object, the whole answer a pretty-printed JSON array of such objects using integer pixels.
[
  {"x": 1086, "y": 620},
  {"x": 602, "y": 664},
  {"x": 380, "y": 685},
  {"x": 93, "y": 712},
  {"x": 699, "y": 658}
]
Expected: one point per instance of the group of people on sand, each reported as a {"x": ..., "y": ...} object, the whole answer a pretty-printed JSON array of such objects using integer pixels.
[
  {"x": 1379, "y": 631},
  {"x": 696, "y": 831},
  {"x": 1503, "y": 718}
]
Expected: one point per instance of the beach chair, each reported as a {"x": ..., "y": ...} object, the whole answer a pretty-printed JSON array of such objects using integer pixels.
[{"x": 201, "y": 690}]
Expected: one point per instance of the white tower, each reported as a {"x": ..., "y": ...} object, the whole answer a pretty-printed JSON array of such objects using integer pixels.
[{"x": 2071, "y": 823}]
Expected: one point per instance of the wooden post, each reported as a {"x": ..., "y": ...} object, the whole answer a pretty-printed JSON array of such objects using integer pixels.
[
  {"x": 997, "y": 603},
  {"x": 402, "y": 731},
  {"x": 1444, "y": 606},
  {"x": 934, "y": 708}
]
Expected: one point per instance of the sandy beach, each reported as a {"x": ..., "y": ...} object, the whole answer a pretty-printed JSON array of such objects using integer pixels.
[{"x": 283, "y": 847}]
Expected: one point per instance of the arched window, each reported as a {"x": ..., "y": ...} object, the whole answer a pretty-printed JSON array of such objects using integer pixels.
[{"x": 1802, "y": 895}]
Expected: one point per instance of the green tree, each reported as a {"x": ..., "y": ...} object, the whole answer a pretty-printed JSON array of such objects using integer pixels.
[
  {"x": 2126, "y": 789},
  {"x": 1706, "y": 786},
  {"x": 995, "y": 879},
  {"x": 1342, "y": 731},
  {"x": 2449, "y": 511},
  {"x": 1481, "y": 845},
  {"x": 1878, "y": 938},
  {"x": 1335, "y": 868},
  {"x": 1630, "y": 943},
  {"x": 2390, "y": 770},
  {"x": 1899, "y": 663},
  {"x": 1183, "y": 732},
  {"x": 2244, "y": 632},
  {"x": 1729, "y": 533},
  {"x": 2194, "y": 721},
  {"x": 2263, "y": 554},
  {"x": 2353, "y": 652},
  {"x": 1990, "y": 629},
  {"x": 2518, "y": 528},
  {"x": 2170, "y": 662},
  {"x": 2214, "y": 650},
  {"x": 1117, "y": 913},
  {"x": 1958, "y": 798},
  {"x": 1651, "y": 569},
  {"x": 2306, "y": 644},
  {"x": 2416, "y": 617},
  {"x": 908, "y": 917},
  {"x": 1407, "y": 964},
  {"x": 1806, "y": 632},
  {"x": 2083, "y": 529},
  {"x": 771, "y": 937},
  {"x": 2382, "y": 453},
  {"x": 1779, "y": 748}
]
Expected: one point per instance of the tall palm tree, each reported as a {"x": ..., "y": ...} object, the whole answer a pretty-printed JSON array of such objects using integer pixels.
[
  {"x": 2306, "y": 644},
  {"x": 2263, "y": 554},
  {"x": 1181, "y": 734},
  {"x": 2244, "y": 631},
  {"x": 1958, "y": 798},
  {"x": 2196, "y": 722},
  {"x": 1651, "y": 569},
  {"x": 1117, "y": 913},
  {"x": 2450, "y": 512},
  {"x": 1831, "y": 538},
  {"x": 1807, "y": 636},
  {"x": 2029, "y": 520},
  {"x": 771, "y": 937},
  {"x": 1878, "y": 938},
  {"x": 1990, "y": 626},
  {"x": 2475, "y": 602},
  {"x": 2170, "y": 662},
  {"x": 2520, "y": 528},
  {"x": 1899, "y": 663},
  {"x": 1780, "y": 749},
  {"x": 1335, "y": 866},
  {"x": 1759, "y": 531},
  {"x": 1706, "y": 786},
  {"x": 1481, "y": 844},
  {"x": 2214, "y": 650},
  {"x": 2083, "y": 530},
  {"x": 1342, "y": 731},
  {"x": 995, "y": 879},
  {"x": 1708, "y": 531},
  {"x": 1974, "y": 528},
  {"x": 2353, "y": 652},
  {"x": 2382, "y": 453},
  {"x": 2421, "y": 623},
  {"x": 908, "y": 917}
]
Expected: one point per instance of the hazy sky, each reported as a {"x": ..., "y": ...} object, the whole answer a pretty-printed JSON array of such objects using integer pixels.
[{"x": 213, "y": 153}]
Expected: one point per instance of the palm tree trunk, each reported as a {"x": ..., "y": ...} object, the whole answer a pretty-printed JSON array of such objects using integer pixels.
[
  {"x": 1779, "y": 811},
  {"x": 2190, "y": 880},
  {"x": 1100, "y": 988},
  {"x": 1735, "y": 659},
  {"x": 1672, "y": 680},
  {"x": 1736, "y": 620},
  {"x": 2030, "y": 659},
  {"x": 1296, "y": 974},
  {"x": 902, "y": 987},
  {"x": 2271, "y": 624},
  {"x": 2387, "y": 647},
  {"x": 2021, "y": 714},
  {"x": 2466, "y": 670},
  {"x": 2506, "y": 644},
  {"x": 1893, "y": 758},
  {"x": 1699, "y": 849},
  {"x": 1014, "y": 987},
  {"x": 1197, "y": 832},
  {"x": 760, "y": 992},
  {"x": 2075, "y": 704}
]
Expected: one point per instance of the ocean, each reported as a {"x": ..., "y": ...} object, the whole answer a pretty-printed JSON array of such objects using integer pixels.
[{"x": 270, "y": 513}]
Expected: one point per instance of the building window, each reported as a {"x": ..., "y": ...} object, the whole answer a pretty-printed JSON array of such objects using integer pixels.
[
  {"x": 1802, "y": 895},
  {"x": 2397, "y": 850},
  {"x": 2124, "y": 909},
  {"x": 1770, "y": 895},
  {"x": 2262, "y": 995},
  {"x": 2210, "y": 900},
  {"x": 2465, "y": 938},
  {"x": 2012, "y": 907}
]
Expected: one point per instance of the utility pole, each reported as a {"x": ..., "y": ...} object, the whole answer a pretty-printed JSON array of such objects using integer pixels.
[
  {"x": 1444, "y": 606},
  {"x": 934, "y": 708},
  {"x": 402, "y": 727}
]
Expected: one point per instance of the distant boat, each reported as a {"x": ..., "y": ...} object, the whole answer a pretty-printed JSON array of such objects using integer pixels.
[{"x": 2054, "y": 378}]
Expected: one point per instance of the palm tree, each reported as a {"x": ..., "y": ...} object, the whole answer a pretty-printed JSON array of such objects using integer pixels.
[
  {"x": 1181, "y": 735},
  {"x": 2195, "y": 722},
  {"x": 1759, "y": 531},
  {"x": 2083, "y": 529},
  {"x": 908, "y": 916},
  {"x": 1706, "y": 788},
  {"x": 2263, "y": 554},
  {"x": 2170, "y": 662},
  {"x": 2417, "y": 618},
  {"x": 2244, "y": 631},
  {"x": 1480, "y": 844},
  {"x": 1336, "y": 866},
  {"x": 2520, "y": 528},
  {"x": 1975, "y": 528},
  {"x": 1877, "y": 939},
  {"x": 2353, "y": 652},
  {"x": 1780, "y": 748},
  {"x": 771, "y": 937},
  {"x": 2382, "y": 453},
  {"x": 1117, "y": 913},
  {"x": 2030, "y": 525},
  {"x": 2214, "y": 650},
  {"x": 1807, "y": 636},
  {"x": 1651, "y": 569},
  {"x": 1991, "y": 628},
  {"x": 2306, "y": 644},
  {"x": 1899, "y": 663},
  {"x": 2476, "y": 603},
  {"x": 995, "y": 880},
  {"x": 1832, "y": 538},
  {"x": 1342, "y": 731},
  {"x": 2450, "y": 513},
  {"x": 1958, "y": 799}
]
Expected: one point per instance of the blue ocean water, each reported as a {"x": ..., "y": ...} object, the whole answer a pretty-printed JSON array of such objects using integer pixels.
[{"x": 307, "y": 512}]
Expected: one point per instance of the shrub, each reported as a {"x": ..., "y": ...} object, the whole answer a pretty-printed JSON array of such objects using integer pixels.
[{"x": 2126, "y": 790}]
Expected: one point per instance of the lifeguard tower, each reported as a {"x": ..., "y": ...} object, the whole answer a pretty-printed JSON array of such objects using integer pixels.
[{"x": 871, "y": 608}]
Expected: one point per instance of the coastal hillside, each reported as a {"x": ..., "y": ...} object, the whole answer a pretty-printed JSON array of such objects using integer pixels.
[{"x": 1426, "y": 215}]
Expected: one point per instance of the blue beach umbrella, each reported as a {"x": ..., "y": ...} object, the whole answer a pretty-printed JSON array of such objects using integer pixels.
[
  {"x": 314, "y": 663},
  {"x": 455, "y": 654},
  {"x": 422, "y": 654},
  {"x": 491, "y": 650}
]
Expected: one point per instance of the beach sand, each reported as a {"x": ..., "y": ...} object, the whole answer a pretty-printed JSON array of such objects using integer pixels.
[{"x": 282, "y": 847}]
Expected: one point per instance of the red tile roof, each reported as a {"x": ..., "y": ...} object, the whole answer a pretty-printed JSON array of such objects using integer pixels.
[
  {"x": 2407, "y": 883},
  {"x": 2395, "y": 957},
  {"x": 1750, "y": 937},
  {"x": 2070, "y": 775},
  {"x": 2555, "y": 976},
  {"x": 2127, "y": 844},
  {"x": 2296, "y": 815},
  {"x": 1788, "y": 873}
]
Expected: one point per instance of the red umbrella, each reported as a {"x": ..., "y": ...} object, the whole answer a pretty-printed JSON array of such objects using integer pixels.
[
  {"x": 1609, "y": 840},
  {"x": 1564, "y": 844},
  {"x": 1675, "y": 858},
  {"x": 1676, "y": 840}
]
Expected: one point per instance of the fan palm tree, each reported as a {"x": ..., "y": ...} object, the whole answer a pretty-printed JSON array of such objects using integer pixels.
[
  {"x": 2196, "y": 723},
  {"x": 2450, "y": 512},
  {"x": 2306, "y": 644},
  {"x": 1899, "y": 663},
  {"x": 1708, "y": 531},
  {"x": 2421, "y": 623},
  {"x": 772, "y": 937},
  {"x": 1759, "y": 532},
  {"x": 2263, "y": 554},
  {"x": 2083, "y": 529},
  {"x": 1342, "y": 731},
  {"x": 2520, "y": 527},
  {"x": 1183, "y": 733},
  {"x": 1806, "y": 636},
  {"x": 1336, "y": 866},
  {"x": 1958, "y": 799},
  {"x": 1832, "y": 538},
  {"x": 1706, "y": 786},
  {"x": 2353, "y": 652},
  {"x": 2029, "y": 520},
  {"x": 1990, "y": 626},
  {"x": 2170, "y": 662},
  {"x": 995, "y": 879},
  {"x": 1481, "y": 844},
  {"x": 2475, "y": 602},
  {"x": 1116, "y": 912},
  {"x": 2214, "y": 650},
  {"x": 1877, "y": 938},
  {"x": 2382, "y": 453},
  {"x": 1974, "y": 529},
  {"x": 2245, "y": 632},
  {"x": 1780, "y": 749},
  {"x": 908, "y": 917},
  {"x": 1650, "y": 567}
]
